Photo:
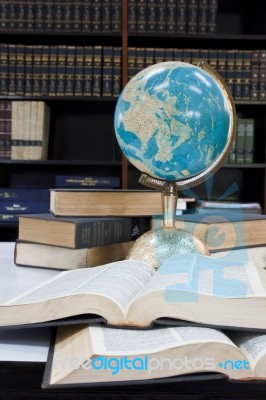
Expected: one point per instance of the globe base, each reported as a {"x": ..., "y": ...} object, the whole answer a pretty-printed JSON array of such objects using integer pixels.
[{"x": 155, "y": 246}]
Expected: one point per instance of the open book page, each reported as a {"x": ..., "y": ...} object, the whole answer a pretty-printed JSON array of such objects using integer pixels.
[
  {"x": 253, "y": 345},
  {"x": 207, "y": 275},
  {"x": 107, "y": 341},
  {"x": 119, "y": 281}
]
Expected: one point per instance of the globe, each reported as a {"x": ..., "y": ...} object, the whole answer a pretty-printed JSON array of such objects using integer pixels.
[
  {"x": 172, "y": 120},
  {"x": 175, "y": 122}
]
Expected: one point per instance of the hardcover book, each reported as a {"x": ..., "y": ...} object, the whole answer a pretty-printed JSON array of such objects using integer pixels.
[
  {"x": 91, "y": 354},
  {"x": 130, "y": 293}
]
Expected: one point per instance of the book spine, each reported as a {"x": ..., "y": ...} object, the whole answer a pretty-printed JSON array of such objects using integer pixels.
[
  {"x": 117, "y": 85},
  {"x": 58, "y": 15},
  {"x": 45, "y": 70},
  {"x": 255, "y": 58},
  {"x": 21, "y": 15},
  {"x": 80, "y": 77},
  {"x": 12, "y": 61},
  {"x": 140, "y": 59},
  {"x": 40, "y": 15},
  {"x": 249, "y": 140},
  {"x": 107, "y": 74},
  {"x": 21, "y": 195},
  {"x": 240, "y": 141},
  {"x": 4, "y": 69},
  {"x": 213, "y": 58},
  {"x": 3, "y": 15},
  {"x": 77, "y": 8},
  {"x": 61, "y": 71},
  {"x": 20, "y": 69},
  {"x": 161, "y": 16},
  {"x": 25, "y": 207},
  {"x": 106, "y": 16},
  {"x": 2, "y": 129},
  {"x": 52, "y": 70},
  {"x": 28, "y": 70},
  {"x": 132, "y": 16},
  {"x": 151, "y": 15},
  {"x": 36, "y": 71},
  {"x": 159, "y": 55},
  {"x": 102, "y": 232},
  {"x": 30, "y": 15},
  {"x": 96, "y": 17},
  {"x": 131, "y": 62},
  {"x": 67, "y": 16},
  {"x": 149, "y": 56},
  {"x": 97, "y": 71},
  {"x": 12, "y": 13},
  {"x": 246, "y": 76},
  {"x": 238, "y": 79},
  {"x": 171, "y": 16},
  {"x": 262, "y": 75},
  {"x": 86, "y": 16},
  {"x": 86, "y": 181},
  {"x": 49, "y": 11},
  {"x": 192, "y": 18},
  {"x": 230, "y": 71},
  {"x": 203, "y": 17},
  {"x": 221, "y": 63},
  {"x": 70, "y": 71},
  {"x": 212, "y": 16},
  {"x": 181, "y": 12},
  {"x": 116, "y": 16},
  {"x": 88, "y": 70},
  {"x": 141, "y": 16}
]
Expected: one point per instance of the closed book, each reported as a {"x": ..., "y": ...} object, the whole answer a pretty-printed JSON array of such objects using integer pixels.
[
  {"x": 106, "y": 15},
  {"x": 86, "y": 69},
  {"x": 116, "y": 15},
  {"x": 4, "y": 68},
  {"x": 223, "y": 229},
  {"x": 171, "y": 16},
  {"x": 249, "y": 140},
  {"x": 82, "y": 202},
  {"x": 67, "y": 12},
  {"x": 28, "y": 70},
  {"x": 240, "y": 141},
  {"x": 49, "y": 10},
  {"x": 107, "y": 74},
  {"x": 76, "y": 15},
  {"x": 203, "y": 16},
  {"x": 39, "y": 15},
  {"x": 52, "y": 70},
  {"x": 262, "y": 76},
  {"x": 36, "y": 70},
  {"x": 161, "y": 16},
  {"x": 58, "y": 15},
  {"x": 192, "y": 16},
  {"x": 45, "y": 71},
  {"x": 131, "y": 62},
  {"x": 23, "y": 207},
  {"x": 86, "y": 15},
  {"x": 21, "y": 14},
  {"x": 212, "y": 16},
  {"x": 20, "y": 69},
  {"x": 61, "y": 71},
  {"x": 246, "y": 75},
  {"x": 78, "y": 233},
  {"x": 238, "y": 79},
  {"x": 255, "y": 70},
  {"x": 49, "y": 256},
  {"x": 70, "y": 71},
  {"x": 181, "y": 16},
  {"x": 12, "y": 62},
  {"x": 142, "y": 16},
  {"x": 117, "y": 63},
  {"x": 30, "y": 15},
  {"x": 96, "y": 16},
  {"x": 132, "y": 16},
  {"x": 32, "y": 195},
  {"x": 151, "y": 16},
  {"x": 230, "y": 71}
]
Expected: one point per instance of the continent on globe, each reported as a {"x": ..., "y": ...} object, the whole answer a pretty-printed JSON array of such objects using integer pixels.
[{"x": 172, "y": 120}]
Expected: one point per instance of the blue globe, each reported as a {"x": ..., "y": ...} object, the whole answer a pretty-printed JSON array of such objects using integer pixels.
[{"x": 172, "y": 120}]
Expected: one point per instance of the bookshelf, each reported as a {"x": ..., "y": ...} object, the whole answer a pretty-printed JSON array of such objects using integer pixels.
[{"x": 81, "y": 124}]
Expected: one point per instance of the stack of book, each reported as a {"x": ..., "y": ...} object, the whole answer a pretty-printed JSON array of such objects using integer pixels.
[
  {"x": 195, "y": 314},
  {"x": 24, "y": 130},
  {"x": 86, "y": 228}
]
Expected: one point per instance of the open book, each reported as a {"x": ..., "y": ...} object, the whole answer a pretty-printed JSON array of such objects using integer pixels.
[
  {"x": 190, "y": 287},
  {"x": 88, "y": 354}
]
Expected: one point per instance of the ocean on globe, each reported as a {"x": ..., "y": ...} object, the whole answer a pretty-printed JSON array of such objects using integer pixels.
[{"x": 172, "y": 120}]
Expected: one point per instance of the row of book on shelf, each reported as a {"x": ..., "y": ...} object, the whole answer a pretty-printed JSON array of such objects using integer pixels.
[
  {"x": 60, "y": 70},
  {"x": 96, "y": 70},
  {"x": 24, "y": 130},
  {"x": 215, "y": 305},
  {"x": 144, "y": 16}
]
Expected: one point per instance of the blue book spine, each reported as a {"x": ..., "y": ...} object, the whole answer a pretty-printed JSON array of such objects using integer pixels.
[
  {"x": 87, "y": 181},
  {"x": 31, "y": 195},
  {"x": 24, "y": 207}
]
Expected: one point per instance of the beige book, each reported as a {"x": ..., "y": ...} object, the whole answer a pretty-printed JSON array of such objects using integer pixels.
[
  {"x": 187, "y": 287},
  {"x": 96, "y": 354}
]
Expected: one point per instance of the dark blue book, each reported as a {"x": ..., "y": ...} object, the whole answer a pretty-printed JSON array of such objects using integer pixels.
[
  {"x": 7, "y": 194},
  {"x": 87, "y": 181},
  {"x": 23, "y": 207}
]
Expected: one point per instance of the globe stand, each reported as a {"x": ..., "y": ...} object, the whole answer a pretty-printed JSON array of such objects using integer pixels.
[{"x": 157, "y": 245}]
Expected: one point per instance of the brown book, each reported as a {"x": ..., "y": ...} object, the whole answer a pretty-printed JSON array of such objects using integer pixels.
[
  {"x": 48, "y": 256},
  {"x": 84, "y": 355},
  {"x": 78, "y": 202},
  {"x": 131, "y": 293}
]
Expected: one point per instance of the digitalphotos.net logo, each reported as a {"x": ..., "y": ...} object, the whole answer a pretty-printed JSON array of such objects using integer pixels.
[{"x": 116, "y": 365}]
